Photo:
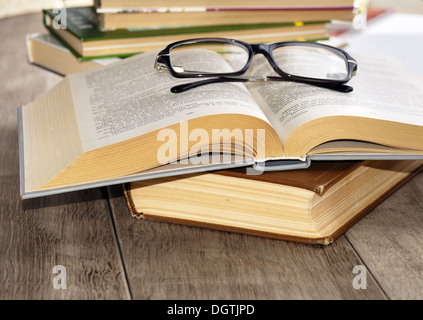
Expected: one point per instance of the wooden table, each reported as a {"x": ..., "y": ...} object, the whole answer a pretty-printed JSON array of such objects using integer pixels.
[{"x": 108, "y": 254}]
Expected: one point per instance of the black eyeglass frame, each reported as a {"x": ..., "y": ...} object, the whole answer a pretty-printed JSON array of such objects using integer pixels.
[{"x": 163, "y": 62}]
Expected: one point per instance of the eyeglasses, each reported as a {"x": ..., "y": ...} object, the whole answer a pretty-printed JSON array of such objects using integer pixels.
[{"x": 226, "y": 60}]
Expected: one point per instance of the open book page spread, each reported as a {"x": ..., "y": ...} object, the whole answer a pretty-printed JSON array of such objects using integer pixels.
[
  {"x": 383, "y": 89},
  {"x": 131, "y": 98},
  {"x": 118, "y": 112}
]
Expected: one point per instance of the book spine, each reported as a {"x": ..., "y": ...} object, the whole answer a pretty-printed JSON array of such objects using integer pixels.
[
  {"x": 29, "y": 47},
  {"x": 83, "y": 19},
  {"x": 214, "y": 9},
  {"x": 130, "y": 201},
  {"x": 47, "y": 23}
]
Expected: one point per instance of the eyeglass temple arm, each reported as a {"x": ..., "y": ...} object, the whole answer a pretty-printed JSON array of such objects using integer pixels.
[
  {"x": 337, "y": 87},
  {"x": 187, "y": 86}
]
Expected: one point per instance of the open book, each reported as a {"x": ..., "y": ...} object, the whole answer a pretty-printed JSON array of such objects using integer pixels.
[{"x": 121, "y": 123}]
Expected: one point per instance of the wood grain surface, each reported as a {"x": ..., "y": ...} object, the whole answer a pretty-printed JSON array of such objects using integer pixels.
[
  {"x": 174, "y": 261},
  {"x": 74, "y": 230},
  {"x": 108, "y": 254},
  {"x": 390, "y": 242}
]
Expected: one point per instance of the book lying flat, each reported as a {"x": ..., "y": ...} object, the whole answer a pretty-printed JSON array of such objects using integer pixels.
[
  {"x": 115, "y": 5},
  {"x": 122, "y": 123},
  {"x": 88, "y": 40},
  {"x": 314, "y": 205},
  {"x": 46, "y": 51},
  {"x": 217, "y": 16}
]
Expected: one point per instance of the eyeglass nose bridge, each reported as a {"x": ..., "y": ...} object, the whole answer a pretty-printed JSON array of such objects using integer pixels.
[{"x": 265, "y": 50}]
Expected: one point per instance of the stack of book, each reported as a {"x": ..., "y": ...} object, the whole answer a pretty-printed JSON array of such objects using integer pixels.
[
  {"x": 122, "y": 28},
  {"x": 313, "y": 205},
  {"x": 111, "y": 125}
]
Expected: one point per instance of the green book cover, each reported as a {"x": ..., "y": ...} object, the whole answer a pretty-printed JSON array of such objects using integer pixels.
[{"x": 83, "y": 23}]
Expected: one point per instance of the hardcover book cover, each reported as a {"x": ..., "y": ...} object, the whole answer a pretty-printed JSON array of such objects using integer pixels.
[{"x": 83, "y": 27}]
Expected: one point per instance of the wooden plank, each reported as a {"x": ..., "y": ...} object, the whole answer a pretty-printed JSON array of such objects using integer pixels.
[
  {"x": 169, "y": 261},
  {"x": 74, "y": 230},
  {"x": 390, "y": 242}
]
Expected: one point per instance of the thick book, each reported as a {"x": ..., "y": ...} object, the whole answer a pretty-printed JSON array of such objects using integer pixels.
[
  {"x": 88, "y": 40},
  {"x": 138, "y": 5},
  {"x": 219, "y": 16},
  {"x": 46, "y": 51},
  {"x": 314, "y": 205},
  {"x": 122, "y": 123}
]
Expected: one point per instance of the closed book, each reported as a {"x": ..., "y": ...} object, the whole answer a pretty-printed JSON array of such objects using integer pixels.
[
  {"x": 314, "y": 205},
  {"x": 46, "y": 51},
  {"x": 122, "y": 5},
  {"x": 181, "y": 17},
  {"x": 87, "y": 40}
]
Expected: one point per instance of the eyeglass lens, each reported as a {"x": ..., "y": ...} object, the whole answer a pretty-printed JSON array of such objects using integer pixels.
[
  {"x": 207, "y": 58},
  {"x": 311, "y": 62},
  {"x": 298, "y": 60}
]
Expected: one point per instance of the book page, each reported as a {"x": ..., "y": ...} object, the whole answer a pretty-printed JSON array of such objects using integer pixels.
[
  {"x": 383, "y": 89},
  {"x": 130, "y": 98}
]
